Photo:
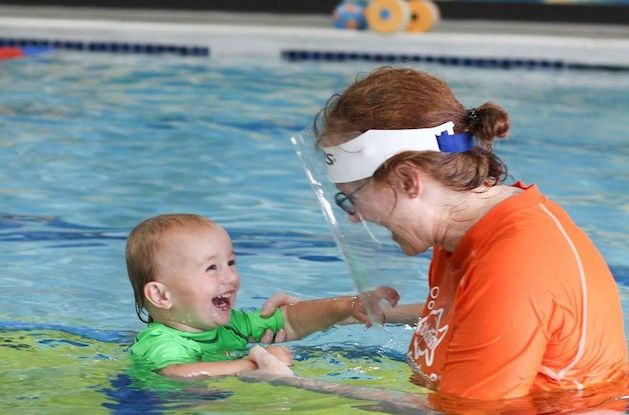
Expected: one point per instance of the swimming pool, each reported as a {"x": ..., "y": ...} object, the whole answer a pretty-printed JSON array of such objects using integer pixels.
[{"x": 91, "y": 145}]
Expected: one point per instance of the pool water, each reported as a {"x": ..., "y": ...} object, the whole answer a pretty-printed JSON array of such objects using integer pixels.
[{"x": 91, "y": 145}]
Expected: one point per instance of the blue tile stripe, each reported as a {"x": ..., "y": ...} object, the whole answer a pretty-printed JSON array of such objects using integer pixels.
[
  {"x": 498, "y": 63},
  {"x": 110, "y": 47}
]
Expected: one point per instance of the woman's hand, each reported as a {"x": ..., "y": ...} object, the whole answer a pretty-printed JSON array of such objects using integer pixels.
[
  {"x": 281, "y": 353},
  {"x": 276, "y": 301},
  {"x": 268, "y": 364},
  {"x": 268, "y": 308},
  {"x": 374, "y": 302}
]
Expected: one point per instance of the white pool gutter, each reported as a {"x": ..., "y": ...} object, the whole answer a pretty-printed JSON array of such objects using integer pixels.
[{"x": 264, "y": 41}]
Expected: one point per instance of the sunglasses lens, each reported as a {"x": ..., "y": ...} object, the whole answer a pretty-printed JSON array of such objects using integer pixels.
[
  {"x": 344, "y": 202},
  {"x": 348, "y": 206}
]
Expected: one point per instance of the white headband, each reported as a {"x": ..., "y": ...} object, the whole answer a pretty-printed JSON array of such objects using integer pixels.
[{"x": 360, "y": 157}]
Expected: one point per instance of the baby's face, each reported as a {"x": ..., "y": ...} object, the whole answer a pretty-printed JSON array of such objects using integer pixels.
[{"x": 198, "y": 266}]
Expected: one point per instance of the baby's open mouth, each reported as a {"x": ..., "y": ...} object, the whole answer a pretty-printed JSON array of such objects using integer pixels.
[{"x": 222, "y": 301}]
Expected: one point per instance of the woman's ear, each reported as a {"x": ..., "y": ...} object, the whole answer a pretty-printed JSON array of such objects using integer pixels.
[
  {"x": 157, "y": 294},
  {"x": 408, "y": 180}
]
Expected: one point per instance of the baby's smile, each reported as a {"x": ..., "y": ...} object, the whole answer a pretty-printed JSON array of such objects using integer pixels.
[{"x": 223, "y": 301}]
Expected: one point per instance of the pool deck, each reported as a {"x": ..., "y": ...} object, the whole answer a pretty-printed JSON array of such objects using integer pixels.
[{"x": 268, "y": 35}]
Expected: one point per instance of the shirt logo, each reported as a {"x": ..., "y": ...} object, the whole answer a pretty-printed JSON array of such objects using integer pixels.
[{"x": 429, "y": 332}]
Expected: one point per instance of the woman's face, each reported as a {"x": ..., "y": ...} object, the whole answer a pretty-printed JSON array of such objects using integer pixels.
[
  {"x": 396, "y": 211},
  {"x": 363, "y": 201}
]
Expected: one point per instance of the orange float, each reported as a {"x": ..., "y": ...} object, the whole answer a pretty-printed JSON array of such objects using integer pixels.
[{"x": 424, "y": 15}]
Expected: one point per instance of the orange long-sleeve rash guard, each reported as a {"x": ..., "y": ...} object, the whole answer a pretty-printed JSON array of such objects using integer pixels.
[{"x": 525, "y": 302}]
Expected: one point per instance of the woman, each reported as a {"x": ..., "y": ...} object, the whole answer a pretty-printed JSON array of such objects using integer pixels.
[{"x": 520, "y": 299}]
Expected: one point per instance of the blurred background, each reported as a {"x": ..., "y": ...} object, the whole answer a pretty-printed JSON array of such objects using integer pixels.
[{"x": 586, "y": 11}]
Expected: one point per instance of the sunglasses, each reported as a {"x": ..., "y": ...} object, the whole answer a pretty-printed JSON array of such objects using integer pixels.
[{"x": 346, "y": 202}]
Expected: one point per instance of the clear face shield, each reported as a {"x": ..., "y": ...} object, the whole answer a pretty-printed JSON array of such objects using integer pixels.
[{"x": 373, "y": 258}]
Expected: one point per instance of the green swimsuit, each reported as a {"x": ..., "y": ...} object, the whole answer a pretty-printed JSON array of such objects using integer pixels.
[{"x": 161, "y": 346}]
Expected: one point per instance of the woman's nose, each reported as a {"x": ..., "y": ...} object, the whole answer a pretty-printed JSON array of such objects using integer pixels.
[{"x": 354, "y": 218}]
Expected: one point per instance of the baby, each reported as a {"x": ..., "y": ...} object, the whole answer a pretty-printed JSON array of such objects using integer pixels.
[{"x": 183, "y": 271}]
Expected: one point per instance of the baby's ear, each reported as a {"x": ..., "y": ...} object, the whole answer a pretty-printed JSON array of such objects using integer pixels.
[{"x": 157, "y": 294}]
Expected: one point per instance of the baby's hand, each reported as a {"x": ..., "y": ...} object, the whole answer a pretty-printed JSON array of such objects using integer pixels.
[
  {"x": 371, "y": 301},
  {"x": 281, "y": 353},
  {"x": 268, "y": 364}
]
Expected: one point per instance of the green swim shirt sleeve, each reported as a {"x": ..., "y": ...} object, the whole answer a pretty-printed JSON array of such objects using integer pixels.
[
  {"x": 159, "y": 348},
  {"x": 252, "y": 324}
]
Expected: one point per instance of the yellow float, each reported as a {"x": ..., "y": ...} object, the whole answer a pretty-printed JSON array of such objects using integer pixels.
[
  {"x": 388, "y": 16},
  {"x": 424, "y": 15}
]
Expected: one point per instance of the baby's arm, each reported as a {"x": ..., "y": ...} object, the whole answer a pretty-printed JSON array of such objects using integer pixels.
[
  {"x": 273, "y": 360},
  {"x": 305, "y": 317},
  {"x": 208, "y": 369}
]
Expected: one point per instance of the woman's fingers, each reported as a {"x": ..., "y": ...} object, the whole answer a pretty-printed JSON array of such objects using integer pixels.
[
  {"x": 270, "y": 337},
  {"x": 280, "y": 337},
  {"x": 267, "y": 337},
  {"x": 268, "y": 363},
  {"x": 276, "y": 301}
]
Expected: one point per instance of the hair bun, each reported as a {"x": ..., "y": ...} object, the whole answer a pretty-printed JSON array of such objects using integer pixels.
[{"x": 488, "y": 122}]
